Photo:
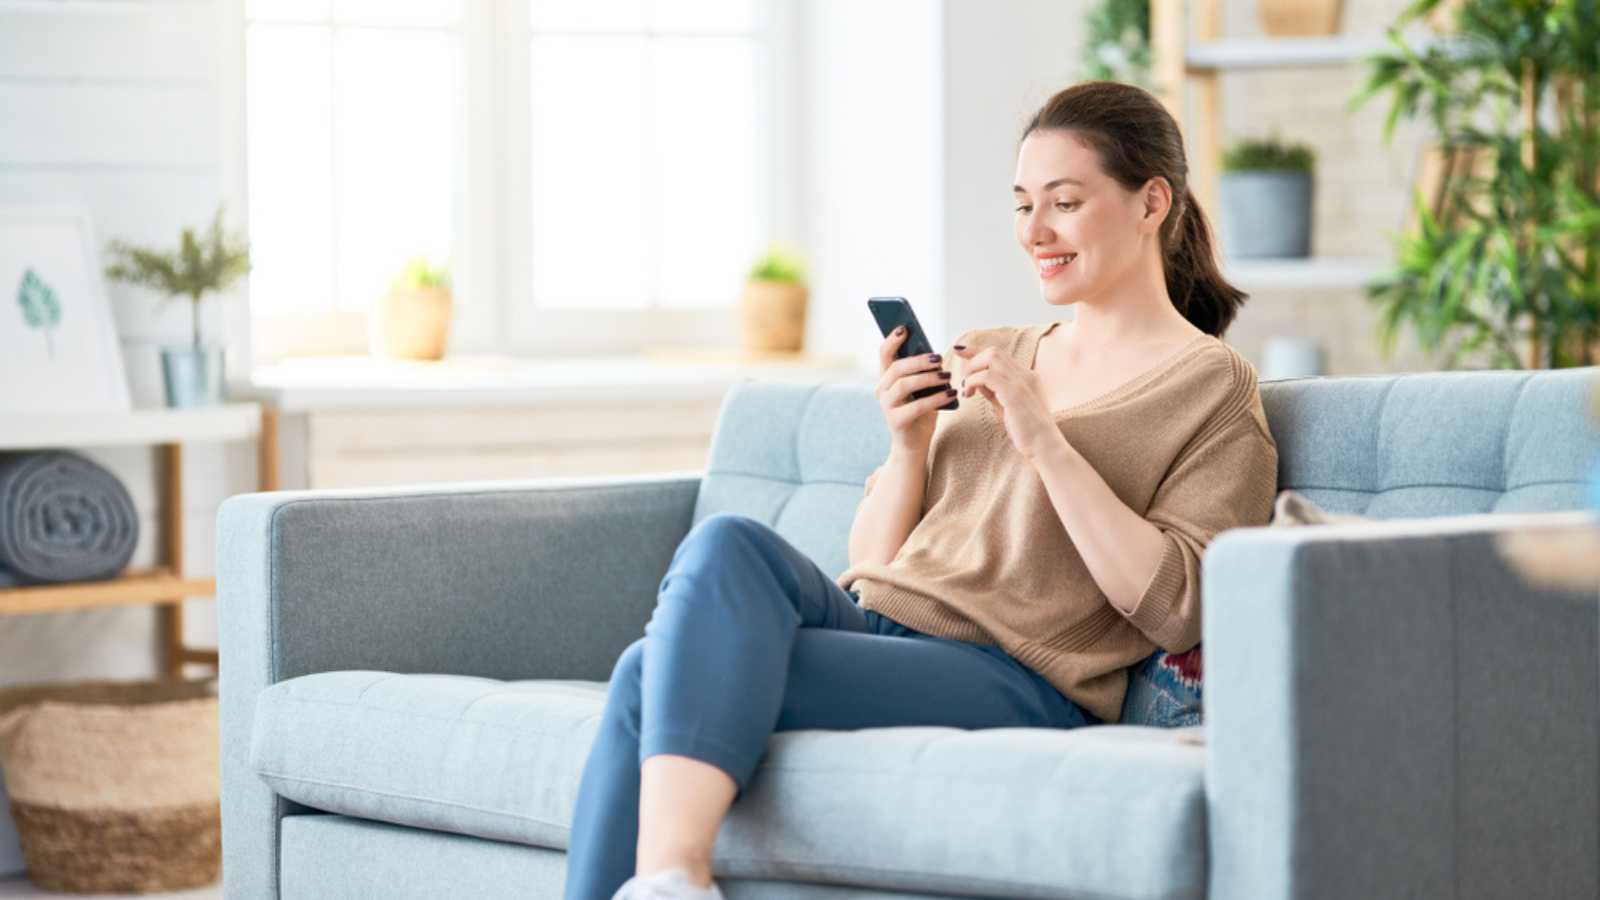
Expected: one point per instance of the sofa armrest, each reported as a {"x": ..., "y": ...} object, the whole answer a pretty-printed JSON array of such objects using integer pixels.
[
  {"x": 1392, "y": 711},
  {"x": 543, "y": 578}
]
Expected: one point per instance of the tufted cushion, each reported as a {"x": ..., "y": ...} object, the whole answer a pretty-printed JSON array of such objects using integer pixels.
[
  {"x": 795, "y": 457},
  {"x": 1435, "y": 443}
]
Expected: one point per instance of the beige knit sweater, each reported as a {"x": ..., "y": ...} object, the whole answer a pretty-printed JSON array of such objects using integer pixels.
[{"x": 1185, "y": 444}]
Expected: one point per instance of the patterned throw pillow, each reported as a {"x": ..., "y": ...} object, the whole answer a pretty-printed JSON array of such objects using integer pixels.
[{"x": 1164, "y": 688}]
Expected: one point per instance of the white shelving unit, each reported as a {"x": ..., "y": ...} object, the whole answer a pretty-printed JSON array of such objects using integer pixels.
[
  {"x": 227, "y": 422},
  {"x": 1189, "y": 68},
  {"x": 165, "y": 585},
  {"x": 1315, "y": 273},
  {"x": 1284, "y": 53}
]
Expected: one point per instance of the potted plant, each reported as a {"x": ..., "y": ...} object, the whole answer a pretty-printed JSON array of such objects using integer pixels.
[
  {"x": 772, "y": 309},
  {"x": 196, "y": 268},
  {"x": 1266, "y": 199},
  {"x": 1508, "y": 259},
  {"x": 413, "y": 320},
  {"x": 1298, "y": 18},
  {"x": 1116, "y": 44}
]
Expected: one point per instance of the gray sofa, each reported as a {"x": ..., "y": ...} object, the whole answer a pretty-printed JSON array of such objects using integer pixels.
[{"x": 411, "y": 679}]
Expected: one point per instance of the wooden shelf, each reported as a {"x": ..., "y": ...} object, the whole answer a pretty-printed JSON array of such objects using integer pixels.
[
  {"x": 156, "y": 584},
  {"x": 1309, "y": 272},
  {"x": 164, "y": 586},
  {"x": 1279, "y": 53},
  {"x": 157, "y": 425}
]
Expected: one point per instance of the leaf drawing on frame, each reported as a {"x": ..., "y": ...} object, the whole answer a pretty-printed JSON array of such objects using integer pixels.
[{"x": 40, "y": 308}]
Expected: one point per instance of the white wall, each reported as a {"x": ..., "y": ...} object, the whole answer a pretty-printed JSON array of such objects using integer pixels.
[
  {"x": 912, "y": 114},
  {"x": 1001, "y": 62},
  {"x": 872, "y": 169}
]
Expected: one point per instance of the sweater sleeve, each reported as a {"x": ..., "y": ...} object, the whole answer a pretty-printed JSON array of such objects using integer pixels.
[{"x": 1228, "y": 480}]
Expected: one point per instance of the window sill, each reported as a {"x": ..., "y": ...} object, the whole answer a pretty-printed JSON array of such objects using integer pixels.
[{"x": 366, "y": 382}]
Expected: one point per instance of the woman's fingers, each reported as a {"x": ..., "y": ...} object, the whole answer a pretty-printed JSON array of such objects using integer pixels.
[
  {"x": 916, "y": 409},
  {"x": 986, "y": 381},
  {"x": 907, "y": 384},
  {"x": 890, "y": 344},
  {"x": 911, "y": 365}
]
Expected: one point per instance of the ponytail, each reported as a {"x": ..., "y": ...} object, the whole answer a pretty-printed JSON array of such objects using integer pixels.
[
  {"x": 1194, "y": 282},
  {"x": 1137, "y": 139}
]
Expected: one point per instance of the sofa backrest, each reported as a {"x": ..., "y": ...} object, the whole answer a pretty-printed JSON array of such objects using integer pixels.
[
  {"x": 796, "y": 456},
  {"x": 1436, "y": 443}
]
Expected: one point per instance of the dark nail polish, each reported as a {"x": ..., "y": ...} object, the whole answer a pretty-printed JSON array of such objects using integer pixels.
[
  {"x": 933, "y": 357},
  {"x": 945, "y": 375},
  {"x": 950, "y": 391},
  {"x": 961, "y": 346}
]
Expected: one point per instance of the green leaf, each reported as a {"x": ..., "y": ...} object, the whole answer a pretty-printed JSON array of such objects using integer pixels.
[
  {"x": 780, "y": 262},
  {"x": 40, "y": 306}
]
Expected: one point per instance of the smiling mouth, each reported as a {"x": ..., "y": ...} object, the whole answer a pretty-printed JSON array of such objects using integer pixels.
[{"x": 1052, "y": 264}]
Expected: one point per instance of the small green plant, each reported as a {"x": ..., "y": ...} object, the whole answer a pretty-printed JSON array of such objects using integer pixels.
[
  {"x": 779, "y": 263},
  {"x": 1116, "y": 44},
  {"x": 197, "y": 267},
  {"x": 421, "y": 273},
  {"x": 1268, "y": 154}
]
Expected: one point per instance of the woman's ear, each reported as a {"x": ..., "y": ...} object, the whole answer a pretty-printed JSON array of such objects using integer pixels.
[{"x": 1157, "y": 199}]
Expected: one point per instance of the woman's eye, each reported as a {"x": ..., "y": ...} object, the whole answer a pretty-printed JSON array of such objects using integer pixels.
[{"x": 1068, "y": 206}]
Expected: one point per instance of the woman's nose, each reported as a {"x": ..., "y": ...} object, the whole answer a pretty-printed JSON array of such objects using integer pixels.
[{"x": 1035, "y": 231}]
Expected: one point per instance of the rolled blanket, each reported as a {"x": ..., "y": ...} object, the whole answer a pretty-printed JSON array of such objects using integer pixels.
[{"x": 63, "y": 517}]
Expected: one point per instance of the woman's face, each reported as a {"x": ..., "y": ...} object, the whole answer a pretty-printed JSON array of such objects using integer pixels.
[{"x": 1066, "y": 205}]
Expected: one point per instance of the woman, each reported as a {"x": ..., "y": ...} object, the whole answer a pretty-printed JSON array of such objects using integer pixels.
[{"x": 1009, "y": 560}]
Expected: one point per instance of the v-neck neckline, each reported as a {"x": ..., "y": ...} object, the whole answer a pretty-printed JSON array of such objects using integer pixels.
[{"x": 1039, "y": 331}]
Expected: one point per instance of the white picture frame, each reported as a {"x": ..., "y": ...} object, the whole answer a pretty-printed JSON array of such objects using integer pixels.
[{"x": 59, "y": 351}]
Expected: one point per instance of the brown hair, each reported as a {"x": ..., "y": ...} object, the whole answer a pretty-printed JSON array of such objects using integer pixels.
[{"x": 1137, "y": 140}]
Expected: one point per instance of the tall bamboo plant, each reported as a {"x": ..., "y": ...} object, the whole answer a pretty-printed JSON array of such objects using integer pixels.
[{"x": 1508, "y": 257}]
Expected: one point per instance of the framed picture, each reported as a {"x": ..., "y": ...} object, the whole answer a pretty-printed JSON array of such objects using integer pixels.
[{"x": 58, "y": 346}]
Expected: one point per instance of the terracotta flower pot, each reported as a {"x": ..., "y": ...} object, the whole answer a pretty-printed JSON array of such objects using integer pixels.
[
  {"x": 772, "y": 316},
  {"x": 1299, "y": 18},
  {"x": 412, "y": 324}
]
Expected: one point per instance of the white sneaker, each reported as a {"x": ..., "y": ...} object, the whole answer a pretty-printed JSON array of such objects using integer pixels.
[{"x": 668, "y": 884}]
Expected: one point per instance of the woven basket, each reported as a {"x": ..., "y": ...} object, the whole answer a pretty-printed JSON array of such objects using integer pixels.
[{"x": 114, "y": 784}]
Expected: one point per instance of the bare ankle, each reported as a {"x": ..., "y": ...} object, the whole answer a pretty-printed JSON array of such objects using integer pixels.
[{"x": 698, "y": 863}]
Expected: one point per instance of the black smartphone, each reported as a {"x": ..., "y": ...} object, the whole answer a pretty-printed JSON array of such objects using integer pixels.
[{"x": 892, "y": 312}]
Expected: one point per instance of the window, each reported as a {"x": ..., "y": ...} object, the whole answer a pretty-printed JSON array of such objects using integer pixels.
[
  {"x": 600, "y": 174},
  {"x": 642, "y": 124},
  {"x": 351, "y": 136}
]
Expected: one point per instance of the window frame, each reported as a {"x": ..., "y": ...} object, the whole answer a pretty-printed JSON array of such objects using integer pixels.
[{"x": 491, "y": 251}]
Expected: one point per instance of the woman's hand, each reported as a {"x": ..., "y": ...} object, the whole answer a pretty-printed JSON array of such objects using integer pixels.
[
  {"x": 910, "y": 421},
  {"x": 1018, "y": 396}
]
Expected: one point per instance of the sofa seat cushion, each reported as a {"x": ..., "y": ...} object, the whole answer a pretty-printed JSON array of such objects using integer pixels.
[{"x": 1108, "y": 811}]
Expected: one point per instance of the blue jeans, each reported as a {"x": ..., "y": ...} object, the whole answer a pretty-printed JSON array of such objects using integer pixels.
[{"x": 749, "y": 637}]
